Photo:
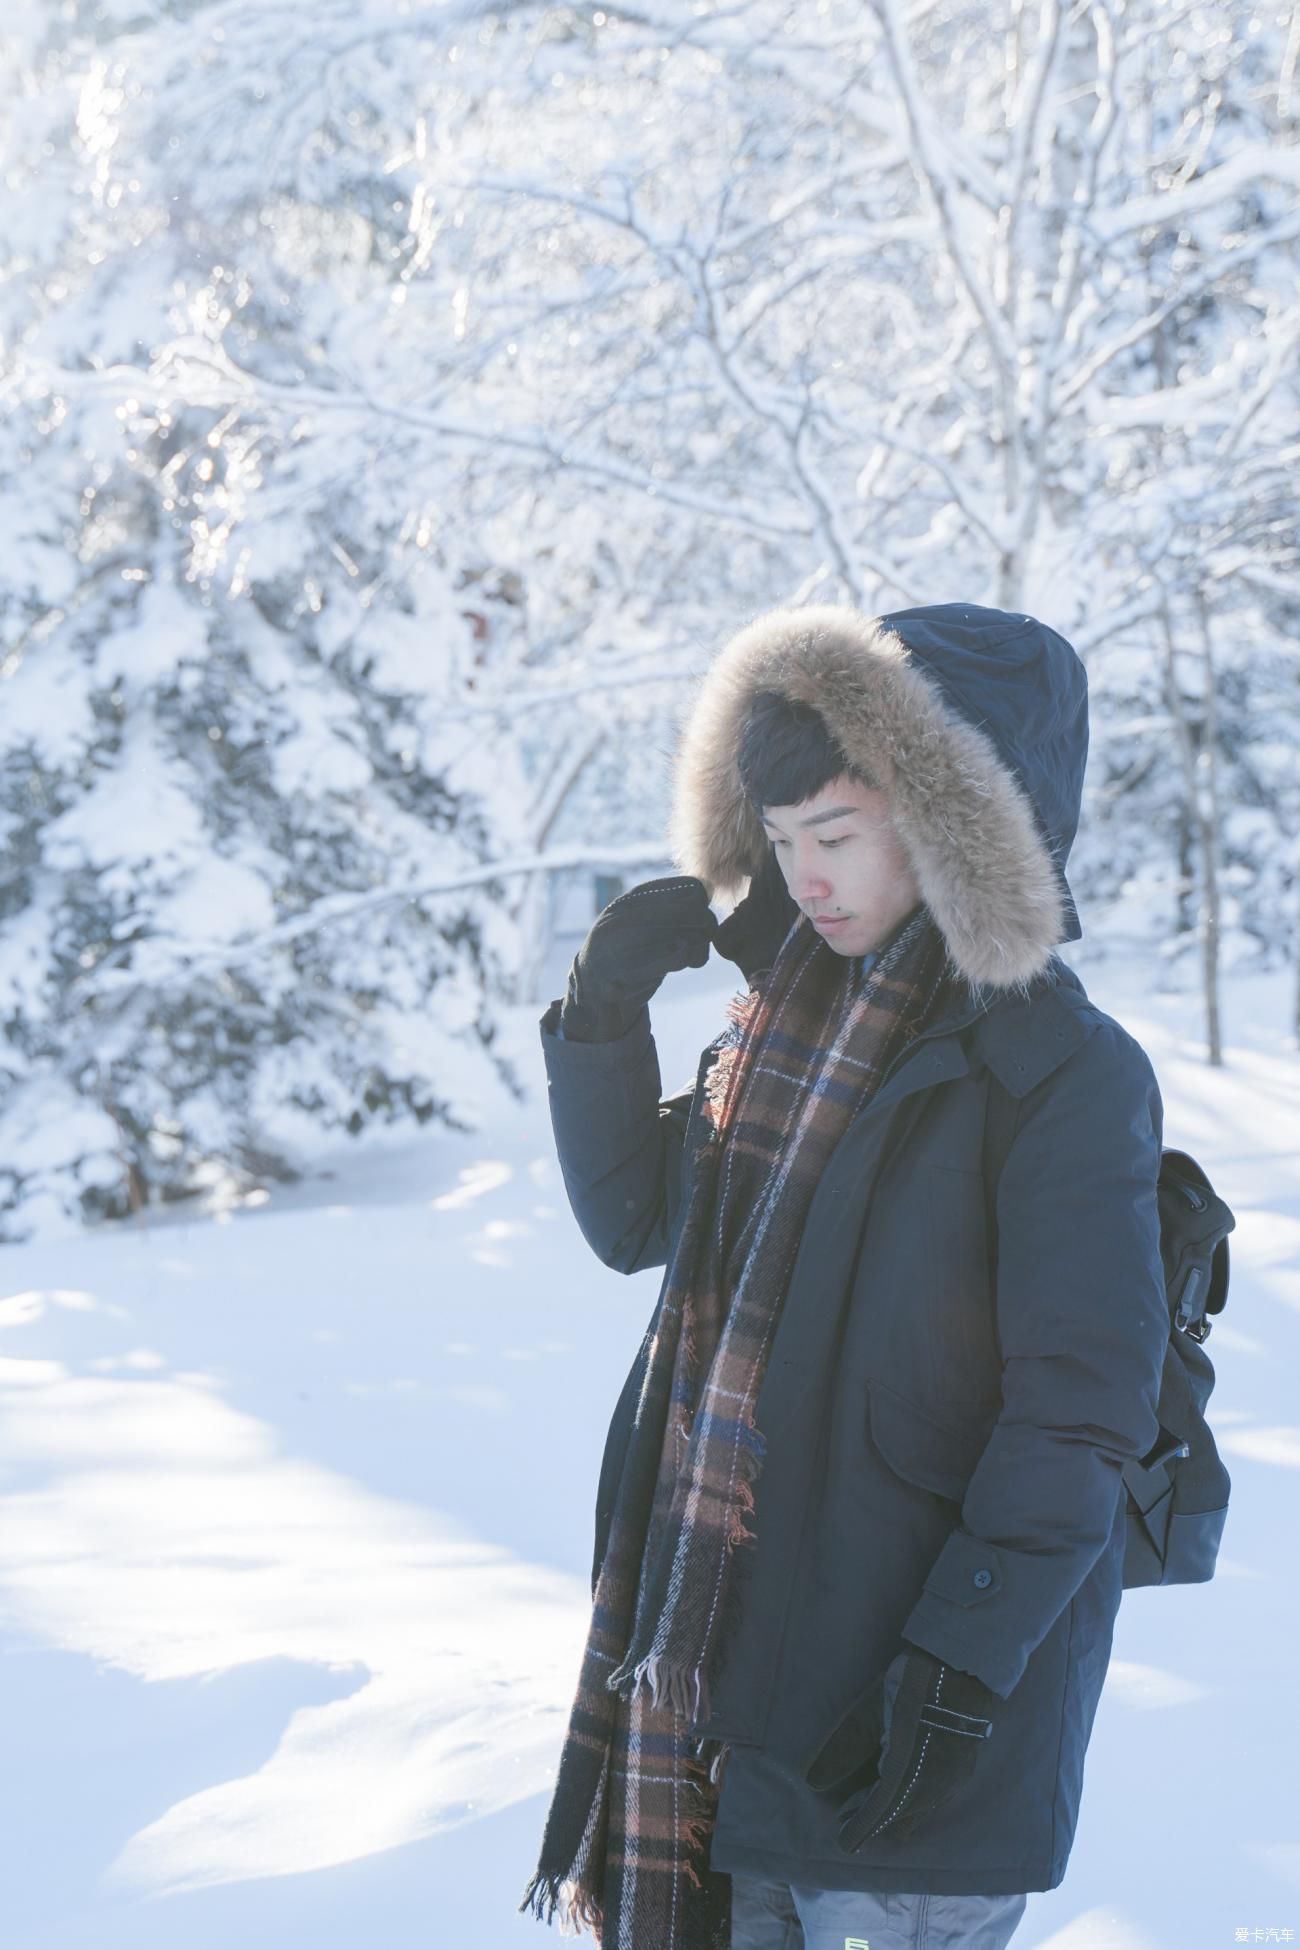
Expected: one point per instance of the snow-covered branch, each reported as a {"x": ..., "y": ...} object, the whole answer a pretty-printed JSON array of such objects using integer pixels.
[
  {"x": 1251, "y": 166},
  {"x": 173, "y": 969}
]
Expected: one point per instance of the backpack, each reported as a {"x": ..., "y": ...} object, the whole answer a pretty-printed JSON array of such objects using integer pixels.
[{"x": 1177, "y": 1494}]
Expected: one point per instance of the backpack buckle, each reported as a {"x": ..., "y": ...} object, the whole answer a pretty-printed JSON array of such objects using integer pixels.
[
  {"x": 1190, "y": 1316},
  {"x": 1165, "y": 1446}
]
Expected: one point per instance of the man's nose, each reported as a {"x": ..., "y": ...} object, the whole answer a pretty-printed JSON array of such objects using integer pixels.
[{"x": 808, "y": 883}]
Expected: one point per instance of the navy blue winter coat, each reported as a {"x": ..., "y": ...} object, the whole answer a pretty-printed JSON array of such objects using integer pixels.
[{"x": 1003, "y": 1356}]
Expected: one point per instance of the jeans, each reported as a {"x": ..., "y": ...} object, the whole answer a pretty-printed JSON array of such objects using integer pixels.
[{"x": 788, "y": 1916}]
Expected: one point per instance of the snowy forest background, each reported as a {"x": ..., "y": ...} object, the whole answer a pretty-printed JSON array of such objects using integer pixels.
[{"x": 402, "y": 403}]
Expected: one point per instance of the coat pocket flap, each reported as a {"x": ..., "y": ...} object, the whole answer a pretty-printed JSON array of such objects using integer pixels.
[{"x": 939, "y": 1456}]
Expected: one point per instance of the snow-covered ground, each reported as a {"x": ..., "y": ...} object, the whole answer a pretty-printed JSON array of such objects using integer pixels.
[{"x": 296, "y": 1530}]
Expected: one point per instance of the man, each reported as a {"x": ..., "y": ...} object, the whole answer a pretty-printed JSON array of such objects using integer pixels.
[{"x": 860, "y": 1520}]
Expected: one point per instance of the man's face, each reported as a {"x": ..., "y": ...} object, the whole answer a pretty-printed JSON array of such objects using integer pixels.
[{"x": 843, "y": 862}]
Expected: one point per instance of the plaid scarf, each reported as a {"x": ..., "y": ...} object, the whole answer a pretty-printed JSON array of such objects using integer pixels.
[{"x": 625, "y": 1849}]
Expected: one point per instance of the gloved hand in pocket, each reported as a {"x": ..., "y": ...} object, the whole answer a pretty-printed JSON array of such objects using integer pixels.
[
  {"x": 634, "y": 942},
  {"x": 904, "y": 1752}
]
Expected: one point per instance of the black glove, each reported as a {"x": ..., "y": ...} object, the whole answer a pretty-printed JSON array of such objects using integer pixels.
[
  {"x": 635, "y": 941},
  {"x": 753, "y": 932},
  {"x": 915, "y": 1743}
]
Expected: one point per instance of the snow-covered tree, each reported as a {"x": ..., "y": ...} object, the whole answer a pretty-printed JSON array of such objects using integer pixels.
[
  {"x": 406, "y": 401},
  {"x": 234, "y": 819}
]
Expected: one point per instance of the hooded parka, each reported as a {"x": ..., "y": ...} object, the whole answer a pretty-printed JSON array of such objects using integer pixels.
[{"x": 1004, "y": 1345}]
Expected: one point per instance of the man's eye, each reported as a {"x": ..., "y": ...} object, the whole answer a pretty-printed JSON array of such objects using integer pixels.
[{"x": 839, "y": 842}]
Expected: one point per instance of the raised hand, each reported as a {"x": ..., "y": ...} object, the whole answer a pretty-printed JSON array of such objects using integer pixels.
[{"x": 634, "y": 942}]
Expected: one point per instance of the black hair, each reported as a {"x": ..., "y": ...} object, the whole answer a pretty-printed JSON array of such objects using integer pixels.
[{"x": 787, "y": 753}]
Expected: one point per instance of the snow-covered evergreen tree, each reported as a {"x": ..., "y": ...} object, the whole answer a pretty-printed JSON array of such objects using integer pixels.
[{"x": 235, "y": 821}]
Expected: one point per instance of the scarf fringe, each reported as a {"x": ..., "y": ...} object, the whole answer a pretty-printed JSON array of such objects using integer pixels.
[
  {"x": 663, "y": 1685},
  {"x": 749, "y": 1465},
  {"x": 683, "y": 1688},
  {"x": 577, "y": 1907}
]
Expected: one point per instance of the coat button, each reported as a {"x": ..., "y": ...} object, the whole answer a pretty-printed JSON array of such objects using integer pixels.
[{"x": 982, "y": 1580}]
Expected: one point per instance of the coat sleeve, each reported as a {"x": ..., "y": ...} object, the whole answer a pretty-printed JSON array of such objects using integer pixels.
[
  {"x": 1083, "y": 1325},
  {"x": 619, "y": 1145}
]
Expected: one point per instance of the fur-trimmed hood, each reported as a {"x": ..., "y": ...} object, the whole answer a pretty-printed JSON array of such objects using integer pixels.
[{"x": 974, "y": 720}]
